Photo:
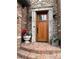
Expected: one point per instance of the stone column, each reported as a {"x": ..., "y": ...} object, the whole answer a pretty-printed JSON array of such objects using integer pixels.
[
  {"x": 50, "y": 13},
  {"x": 33, "y": 26}
]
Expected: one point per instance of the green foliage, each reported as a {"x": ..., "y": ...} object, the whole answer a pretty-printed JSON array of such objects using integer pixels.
[{"x": 55, "y": 38}]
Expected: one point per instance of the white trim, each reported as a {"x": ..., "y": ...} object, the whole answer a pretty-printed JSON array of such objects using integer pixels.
[{"x": 39, "y": 9}]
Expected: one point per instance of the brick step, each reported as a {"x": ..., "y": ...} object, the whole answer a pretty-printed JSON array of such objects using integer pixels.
[
  {"x": 18, "y": 57},
  {"x": 27, "y": 55},
  {"x": 39, "y": 48}
]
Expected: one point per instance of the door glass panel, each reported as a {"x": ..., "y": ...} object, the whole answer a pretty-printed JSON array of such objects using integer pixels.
[{"x": 42, "y": 17}]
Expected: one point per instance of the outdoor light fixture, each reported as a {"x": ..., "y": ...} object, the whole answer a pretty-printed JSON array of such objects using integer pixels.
[{"x": 40, "y": 0}]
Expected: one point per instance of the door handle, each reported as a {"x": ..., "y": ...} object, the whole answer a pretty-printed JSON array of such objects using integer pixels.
[{"x": 37, "y": 30}]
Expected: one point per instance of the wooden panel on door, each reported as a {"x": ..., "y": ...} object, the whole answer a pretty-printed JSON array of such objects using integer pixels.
[{"x": 42, "y": 28}]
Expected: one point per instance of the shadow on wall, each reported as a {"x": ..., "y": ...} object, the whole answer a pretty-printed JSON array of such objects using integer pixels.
[{"x": 23, "y": 3}]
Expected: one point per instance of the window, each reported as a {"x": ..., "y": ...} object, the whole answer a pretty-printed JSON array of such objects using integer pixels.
[{"x": 42, "y": 17}]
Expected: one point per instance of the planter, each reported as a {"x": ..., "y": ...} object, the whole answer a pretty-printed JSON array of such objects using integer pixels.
[
  {"x": 55, "y": 43},
  {"x": 27, "y": 38}
]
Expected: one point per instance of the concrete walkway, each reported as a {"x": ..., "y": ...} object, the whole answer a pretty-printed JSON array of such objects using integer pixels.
[{"x": 38, "y": 51}]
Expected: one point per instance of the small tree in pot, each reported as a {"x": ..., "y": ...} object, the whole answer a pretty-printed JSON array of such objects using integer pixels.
[{"x": 56, "y": 41}]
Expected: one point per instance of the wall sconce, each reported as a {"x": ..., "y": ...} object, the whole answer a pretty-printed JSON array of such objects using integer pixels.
[
  {"x": 40, "y": 0},
  {"x": 30, "y": 18},
  {"x": 54, "y": 16}
]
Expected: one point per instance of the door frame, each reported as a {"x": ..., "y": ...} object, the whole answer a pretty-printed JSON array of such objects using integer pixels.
[{"x": 50, "y": 23}]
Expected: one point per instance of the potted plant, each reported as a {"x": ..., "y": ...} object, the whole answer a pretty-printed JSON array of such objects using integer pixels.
[
  {"x": 27, "y": 37},
  {"x": 23, "y": 32},
  {"x": 55, "y": 40}
]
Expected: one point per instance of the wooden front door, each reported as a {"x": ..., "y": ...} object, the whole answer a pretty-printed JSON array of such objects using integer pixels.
[{"x": 42, "y": 27}]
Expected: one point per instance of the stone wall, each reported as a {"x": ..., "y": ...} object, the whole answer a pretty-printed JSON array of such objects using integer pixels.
[
  {"x": 58, "y": 18},
  {"x": 40, "y": 4}
]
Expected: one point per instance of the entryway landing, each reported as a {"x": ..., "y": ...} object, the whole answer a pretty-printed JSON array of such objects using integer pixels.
[{"x": 38, "y": 50}]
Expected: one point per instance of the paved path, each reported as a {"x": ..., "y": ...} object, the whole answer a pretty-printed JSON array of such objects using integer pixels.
[{"x": 38, "y": 51}]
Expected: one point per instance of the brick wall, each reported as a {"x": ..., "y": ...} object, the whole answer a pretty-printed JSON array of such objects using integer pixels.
[
  {"x": 21, "y": 22},
  {"x": 24, "y": 18},
  {"x": 19, "y": 18}
]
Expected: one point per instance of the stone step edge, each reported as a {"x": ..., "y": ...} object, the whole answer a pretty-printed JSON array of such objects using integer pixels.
[
  {"x": 25, "y": 54},
  {"x": 18, "y": 57},
  {"x": 38, "y": 51}
]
